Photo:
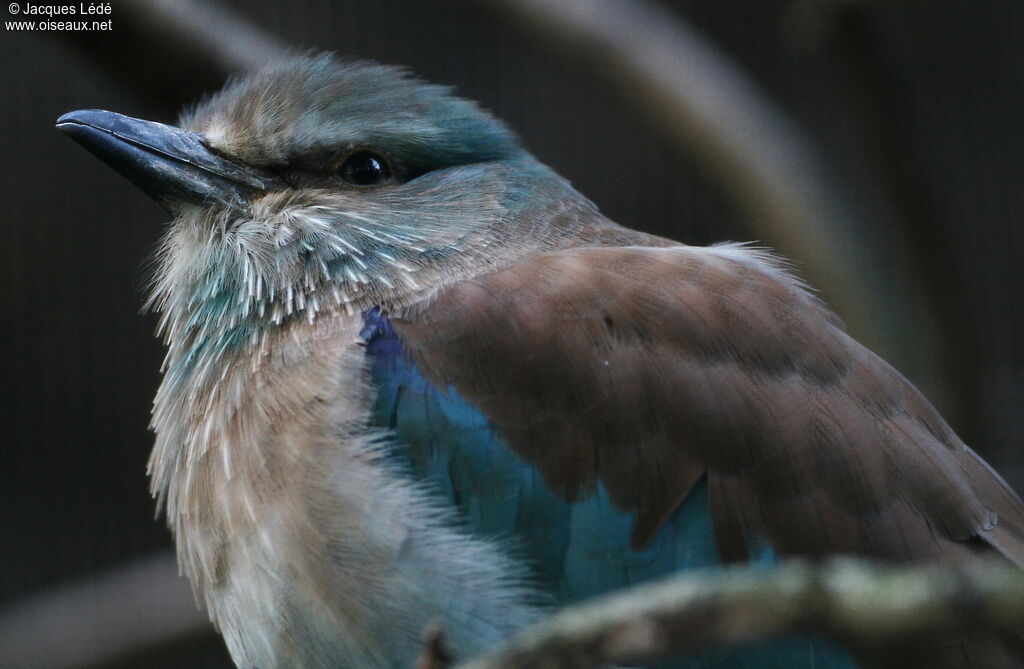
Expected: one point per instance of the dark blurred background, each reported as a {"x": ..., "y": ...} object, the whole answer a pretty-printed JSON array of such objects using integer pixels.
[{"x": 913, "y": 107}]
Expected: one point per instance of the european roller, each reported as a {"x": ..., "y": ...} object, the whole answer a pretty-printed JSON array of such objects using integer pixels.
[{"x": 413, "y": 377}]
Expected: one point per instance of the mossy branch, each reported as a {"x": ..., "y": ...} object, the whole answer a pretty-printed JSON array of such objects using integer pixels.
[{"x": 867, "y": 606}]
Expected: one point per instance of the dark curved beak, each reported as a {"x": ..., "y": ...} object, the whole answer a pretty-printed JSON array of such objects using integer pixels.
[{"x": 170, "y": 164}]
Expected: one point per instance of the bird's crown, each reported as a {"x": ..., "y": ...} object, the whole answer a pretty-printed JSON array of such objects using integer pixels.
[{"x": 313, "y": 109}]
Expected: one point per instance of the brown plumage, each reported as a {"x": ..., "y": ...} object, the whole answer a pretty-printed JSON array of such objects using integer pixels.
[{"x": 664, "y": 364}]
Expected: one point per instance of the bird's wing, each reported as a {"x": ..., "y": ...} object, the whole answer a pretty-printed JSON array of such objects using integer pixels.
[{"x": 635, "y": 372}]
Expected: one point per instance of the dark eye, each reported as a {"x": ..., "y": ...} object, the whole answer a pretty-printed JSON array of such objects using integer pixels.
[{"x": 365, "y": 168}]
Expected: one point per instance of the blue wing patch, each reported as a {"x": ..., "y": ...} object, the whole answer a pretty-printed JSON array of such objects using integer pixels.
[{"x": 575, "y": 549}]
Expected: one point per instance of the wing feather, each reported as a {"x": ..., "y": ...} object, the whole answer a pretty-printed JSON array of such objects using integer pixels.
[{"x": 646, "y": 368}]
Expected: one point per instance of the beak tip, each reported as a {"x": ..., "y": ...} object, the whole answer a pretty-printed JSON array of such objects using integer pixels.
[
  {"x": 73, "y": 122},
  {"x": 67, "y": 122}
]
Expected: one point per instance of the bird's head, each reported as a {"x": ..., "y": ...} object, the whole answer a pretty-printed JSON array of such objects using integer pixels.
[{"x": 318, "y": 183}]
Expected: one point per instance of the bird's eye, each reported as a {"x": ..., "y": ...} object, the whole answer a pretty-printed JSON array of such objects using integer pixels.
[{"x": 365, "y": 168}]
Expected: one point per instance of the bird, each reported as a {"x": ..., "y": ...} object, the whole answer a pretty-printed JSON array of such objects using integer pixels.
[{"x": 414, "y": 377}]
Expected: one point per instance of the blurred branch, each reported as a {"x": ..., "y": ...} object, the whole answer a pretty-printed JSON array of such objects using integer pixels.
[
  {"x": 172, "y": 51},
  {"x": 707, "y": 107},
  {"x": 228, "y": 41},
  {"x": 865, "y": 605},
  {"x": 102, "y": 618},
  {"x": 146, "y": 604},
  {"x": 850, "y": 37}
]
